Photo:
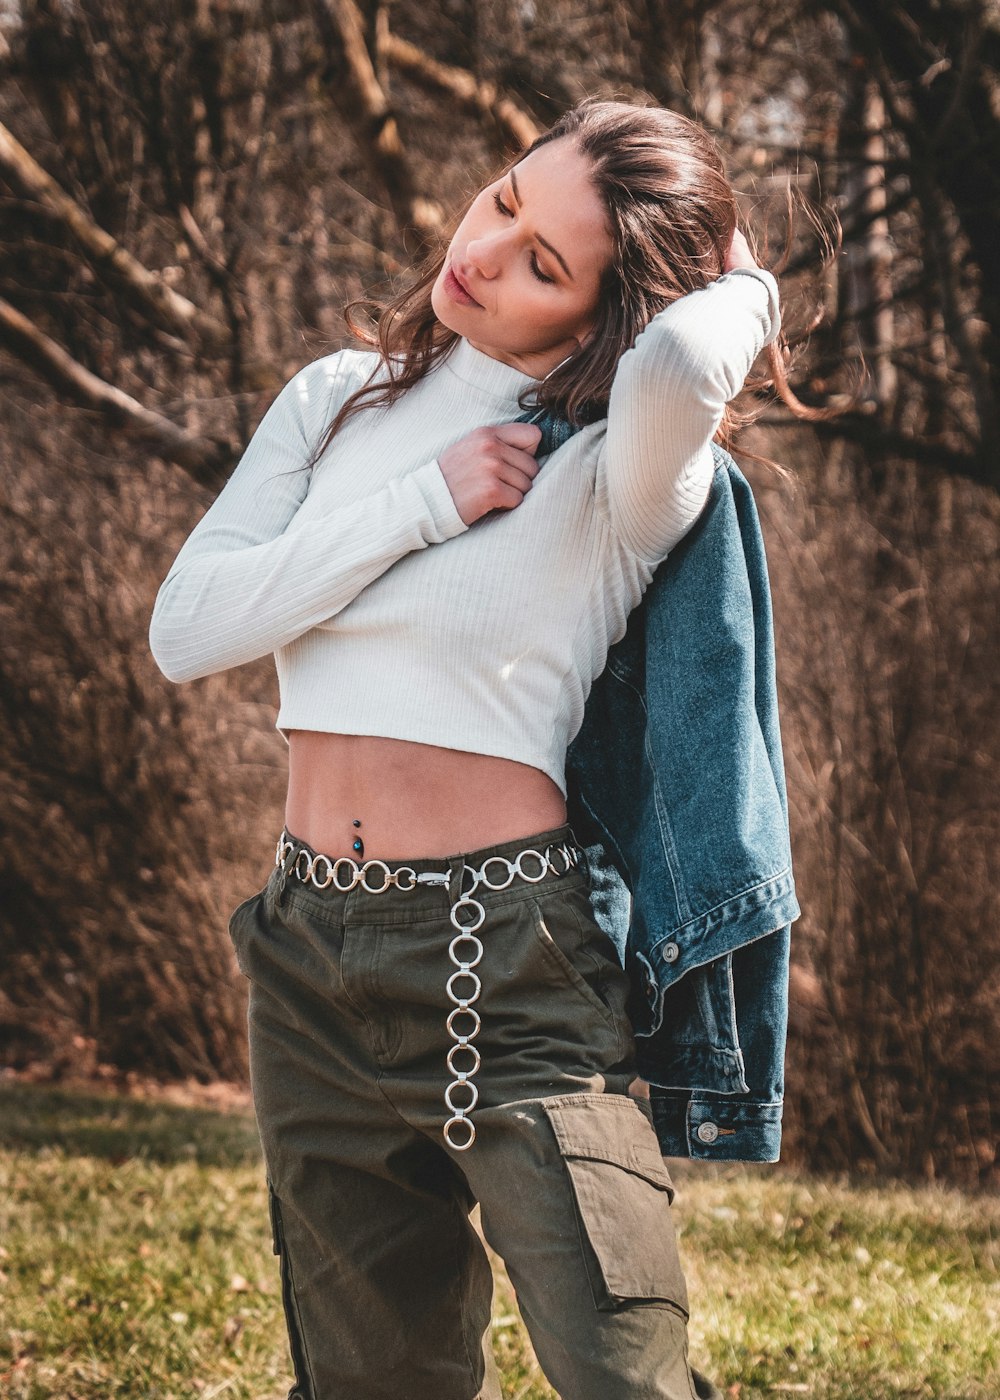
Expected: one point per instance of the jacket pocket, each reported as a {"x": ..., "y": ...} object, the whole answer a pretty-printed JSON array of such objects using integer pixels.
[
  {"x": 623, "y": 1193},
  {"x": 302, "y": 1389}
]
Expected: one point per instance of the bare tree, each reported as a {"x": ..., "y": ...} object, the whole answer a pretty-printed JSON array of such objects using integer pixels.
[{"x": 191, "y": 193}]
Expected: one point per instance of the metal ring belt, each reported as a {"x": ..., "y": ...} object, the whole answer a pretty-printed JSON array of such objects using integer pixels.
[{"x": 465, "y": 950}]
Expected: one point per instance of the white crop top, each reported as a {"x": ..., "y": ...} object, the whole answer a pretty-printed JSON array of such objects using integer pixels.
[{"x": 387, "y": 614}]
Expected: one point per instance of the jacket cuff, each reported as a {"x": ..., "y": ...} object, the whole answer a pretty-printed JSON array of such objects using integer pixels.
[{"x": 716, "y": 1129}]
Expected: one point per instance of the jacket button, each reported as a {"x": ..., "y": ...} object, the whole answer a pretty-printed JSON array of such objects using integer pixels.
[
  {"x": 707, "y": 1132},
  {"x": 670, "y": 952}
]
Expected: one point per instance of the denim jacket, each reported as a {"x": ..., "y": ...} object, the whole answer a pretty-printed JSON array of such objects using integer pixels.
[{"x": 676, "y": 787}]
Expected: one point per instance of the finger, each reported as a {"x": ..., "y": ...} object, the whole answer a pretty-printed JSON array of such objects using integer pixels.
[
  {"x": 739, "y": 254},
  {"x": 508, "y": 497},
  {"x": 514, "y": 457},
  {"x": 526, "y": 436},
  {"x": 512, "y": 476}
]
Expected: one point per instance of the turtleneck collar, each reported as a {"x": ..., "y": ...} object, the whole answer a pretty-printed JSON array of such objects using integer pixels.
[{"x": 483, "y": 372}]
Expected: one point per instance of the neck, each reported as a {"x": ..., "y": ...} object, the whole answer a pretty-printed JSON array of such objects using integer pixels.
[
  {"x": 538, "y": 365},
  {"x": 492, "y": 377}
]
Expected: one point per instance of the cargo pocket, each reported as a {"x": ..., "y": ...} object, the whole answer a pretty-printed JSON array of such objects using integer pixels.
[
  {"x": 302, "y": 1389},
  {"x": 623, "y": 1193}
]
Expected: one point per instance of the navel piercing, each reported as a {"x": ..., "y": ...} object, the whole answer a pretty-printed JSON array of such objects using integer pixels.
[{"x": 359, "y": 845}]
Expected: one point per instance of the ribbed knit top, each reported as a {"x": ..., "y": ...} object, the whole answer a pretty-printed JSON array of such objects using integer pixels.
[{"x": 387, "y": 614}]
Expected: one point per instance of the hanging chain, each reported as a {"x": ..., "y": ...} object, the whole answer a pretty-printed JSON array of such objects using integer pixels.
[
  {"x": 464, "y": 985},
  {"x": 465, "y": 950}
]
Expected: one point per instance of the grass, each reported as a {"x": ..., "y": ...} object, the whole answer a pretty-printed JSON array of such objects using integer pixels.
[{"x": 135, "y": 1261}]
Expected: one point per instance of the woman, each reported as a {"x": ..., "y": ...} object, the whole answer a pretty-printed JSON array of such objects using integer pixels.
[{"x": 435, "y": 1017}]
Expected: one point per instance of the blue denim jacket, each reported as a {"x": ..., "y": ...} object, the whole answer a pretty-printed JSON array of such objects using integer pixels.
[{"x": 677, "y": 789}]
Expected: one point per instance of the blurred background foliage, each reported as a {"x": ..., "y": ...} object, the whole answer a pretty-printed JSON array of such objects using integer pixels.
[{"x": 191, "y": 190}]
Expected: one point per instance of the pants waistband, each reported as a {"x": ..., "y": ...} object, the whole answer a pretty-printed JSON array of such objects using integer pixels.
[
  {"x": 486, "y": 870},
  {"x": 469, "y": 879}
]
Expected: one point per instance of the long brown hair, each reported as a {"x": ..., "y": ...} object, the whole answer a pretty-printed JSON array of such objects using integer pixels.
[{"x": 672, "y": 213}]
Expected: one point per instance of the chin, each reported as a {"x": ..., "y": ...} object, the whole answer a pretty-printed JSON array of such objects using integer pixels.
[{"x": 443, "y": 307}]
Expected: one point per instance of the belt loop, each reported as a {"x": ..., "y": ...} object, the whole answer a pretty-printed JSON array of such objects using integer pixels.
[
  {"x": 285, "y": 848},
  {"x": 456, "y": 876}
]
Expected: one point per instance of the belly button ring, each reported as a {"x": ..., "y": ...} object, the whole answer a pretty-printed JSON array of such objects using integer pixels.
[{"x": 359, "y": 845}]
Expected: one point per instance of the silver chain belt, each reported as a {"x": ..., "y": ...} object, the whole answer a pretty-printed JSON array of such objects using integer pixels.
[{"x": 465, "y": 950}]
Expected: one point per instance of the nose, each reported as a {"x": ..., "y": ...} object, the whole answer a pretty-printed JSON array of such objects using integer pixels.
[{"x": 485, "y": 254}]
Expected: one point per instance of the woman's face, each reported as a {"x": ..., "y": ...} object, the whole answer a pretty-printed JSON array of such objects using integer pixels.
[{"x": 530, "y": 254}]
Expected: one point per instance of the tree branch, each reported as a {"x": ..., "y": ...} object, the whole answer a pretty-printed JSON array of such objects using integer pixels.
[
  {"x": 145, "y": 290},
  {"x": 364, "y": 105},
  {"x": 481, "y": 99},
  {"x": 885, "y": 441},
  {"x": 204, "y": 459}
]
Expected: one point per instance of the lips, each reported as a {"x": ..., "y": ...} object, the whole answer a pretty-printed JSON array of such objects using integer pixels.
[{"x": 457, "y": 288}]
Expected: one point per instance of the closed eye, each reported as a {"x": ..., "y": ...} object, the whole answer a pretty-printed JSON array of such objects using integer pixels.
[{"x": 502, "y": 208}]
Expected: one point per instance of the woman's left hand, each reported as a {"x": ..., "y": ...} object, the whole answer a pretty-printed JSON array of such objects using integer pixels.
[
  {"x": 739, "y": 254},
  {"x": 639, "y": 1088}
]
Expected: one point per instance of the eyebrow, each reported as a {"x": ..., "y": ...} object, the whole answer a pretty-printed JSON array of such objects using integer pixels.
[{"x": 543, "y": 241}]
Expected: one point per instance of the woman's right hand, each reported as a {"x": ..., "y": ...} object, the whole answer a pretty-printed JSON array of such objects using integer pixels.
[
  {"x": 739, "y": 254},
  {"x": 491, "y": 468}
]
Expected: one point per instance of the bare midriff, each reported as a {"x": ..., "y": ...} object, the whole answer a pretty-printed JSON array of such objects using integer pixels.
[{"x": 412, "y": 800}]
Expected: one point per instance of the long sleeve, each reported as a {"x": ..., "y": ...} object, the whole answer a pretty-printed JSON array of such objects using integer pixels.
[
  {"x": 666, "y": 404},
  {"x": 244, "y": 584}
]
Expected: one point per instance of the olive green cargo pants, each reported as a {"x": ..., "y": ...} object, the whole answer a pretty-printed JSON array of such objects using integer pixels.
[{"x": 386, "y": 1287}]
